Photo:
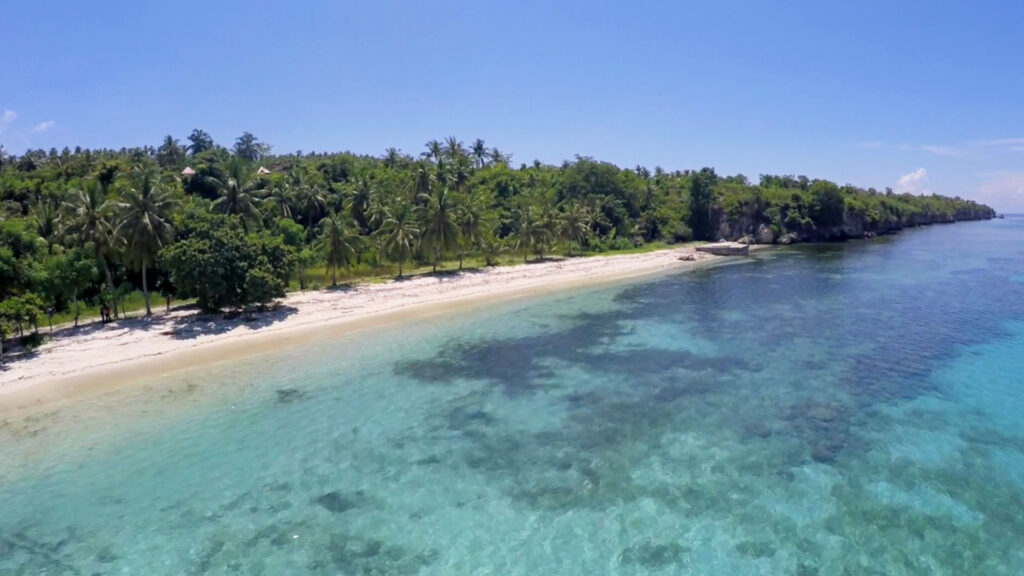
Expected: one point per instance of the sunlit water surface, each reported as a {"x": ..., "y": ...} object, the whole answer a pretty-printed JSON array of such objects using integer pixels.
[{"x": 838, "y": 409}]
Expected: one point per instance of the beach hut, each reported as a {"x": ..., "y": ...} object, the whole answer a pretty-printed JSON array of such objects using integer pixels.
[
  {"x": 263, "y": 170},
  {"x": 188, "y": 172}
]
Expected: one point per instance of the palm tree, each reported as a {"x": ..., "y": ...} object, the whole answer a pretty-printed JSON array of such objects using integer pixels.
[
  {"x": 604, "y": 208},
  {"x": 434, "y": 151},
  {"x": 145, "y": 227},
  {"x": 491, "y": 248},
  {"x": 341, "y": 243},
  {"x": 399, "y": 232},
  {"x": 249, "y": 147},
  {"x": 48, "y": 224},
  {"x": 170, "y": 154},
  {"x": 498, "y": 157},
  {"x": 200, "y": 141},
  {"x": 441, "y": 172},
  {"x": 440, "y": 233},
  {"x": 310, "y": 200},
  {"x": 423, "y": 179},
  {"x": 237, "y": 192},
  {"x": 475, "y": 220},
  {"x": 362, "y": 197},
  {"x": 531, "y": 232},
  {"x": 576, "y": 221},
  {"x": 377, "y": 211},
  {"x": 279, "y": 200},
  {"x": 393, "y": 158},
  {"x": 90, "y": 215},
  {"x": 480, "y": 153},
  {"x": 552, "y": 222},
  {"x": 453, "y": 149},
  {"x": 459, "y": 172}
]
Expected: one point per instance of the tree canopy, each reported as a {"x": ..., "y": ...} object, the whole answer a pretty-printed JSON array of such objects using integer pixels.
[{"x": 88, "y": 225}]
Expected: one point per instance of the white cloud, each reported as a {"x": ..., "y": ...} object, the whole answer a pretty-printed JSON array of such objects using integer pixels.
[
  {"x": 43, "y": 126},
  {"x": 998, "y": 142},
  {"x": 913, "y": 182},
  {"x": 1006, "y": 144},
  {"x": 1002, "y": 190},
  {"x": 6, "y": 119}
]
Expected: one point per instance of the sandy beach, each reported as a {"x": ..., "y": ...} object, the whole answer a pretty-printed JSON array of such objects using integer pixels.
[{"x": 98, "y": 357}]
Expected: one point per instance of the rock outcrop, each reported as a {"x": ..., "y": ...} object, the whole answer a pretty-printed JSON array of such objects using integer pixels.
[
  {"x": 725, "y": 249},
  {"x": 747, "y": 229}
]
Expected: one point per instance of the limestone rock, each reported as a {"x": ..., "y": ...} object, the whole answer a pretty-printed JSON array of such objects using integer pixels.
[{"x": 725, "y": 249}]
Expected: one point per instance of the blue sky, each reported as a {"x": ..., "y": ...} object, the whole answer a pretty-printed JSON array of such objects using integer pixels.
[{"x": 919, "y": 96}]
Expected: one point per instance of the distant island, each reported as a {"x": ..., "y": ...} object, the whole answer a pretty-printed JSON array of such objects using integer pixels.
[{"x": 234, "y": 229}]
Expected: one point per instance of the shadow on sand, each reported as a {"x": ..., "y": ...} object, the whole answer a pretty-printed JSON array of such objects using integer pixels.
[
  {"x": 205, "y": 324},
  {"x": 443, "y": 275}
]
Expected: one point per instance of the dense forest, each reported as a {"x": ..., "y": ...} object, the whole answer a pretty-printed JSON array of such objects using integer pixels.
[{"x": 235, "y": 228}]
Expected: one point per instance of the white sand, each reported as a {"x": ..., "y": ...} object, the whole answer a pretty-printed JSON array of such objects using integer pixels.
[{"x": 102, "y": 356}]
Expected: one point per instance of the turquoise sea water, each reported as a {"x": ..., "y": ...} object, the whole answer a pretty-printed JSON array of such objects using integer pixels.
[{"x": 842, "y": 409}]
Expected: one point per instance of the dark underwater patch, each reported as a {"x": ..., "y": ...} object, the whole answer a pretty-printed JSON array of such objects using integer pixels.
[
  {"x": 655, "y": 556},
  {"x": 290, "y": 395},
  {"x": 341, "y": 502},
  {"x": 353, "y": 554}
]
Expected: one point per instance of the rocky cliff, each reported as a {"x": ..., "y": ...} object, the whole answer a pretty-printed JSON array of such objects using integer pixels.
[{"x": 750, "y": 229}]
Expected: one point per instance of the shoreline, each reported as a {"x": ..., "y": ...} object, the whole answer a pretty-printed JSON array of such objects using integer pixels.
[{"x": 101, "y": 358}]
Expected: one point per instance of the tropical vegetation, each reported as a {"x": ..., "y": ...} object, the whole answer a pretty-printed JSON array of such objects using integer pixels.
[{"x": 233, "y": 228}]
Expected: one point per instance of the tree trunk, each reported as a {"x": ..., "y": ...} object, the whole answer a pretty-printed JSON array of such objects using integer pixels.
[
  {"x": 461, "y": 256},
  {"x": 399, "y": 267},
  {"x": 334, "y": 276},
  {"x": 74, "y": 299},
  {"x": 145, "y": 289},
  {"x": 110, "y": 279}
]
